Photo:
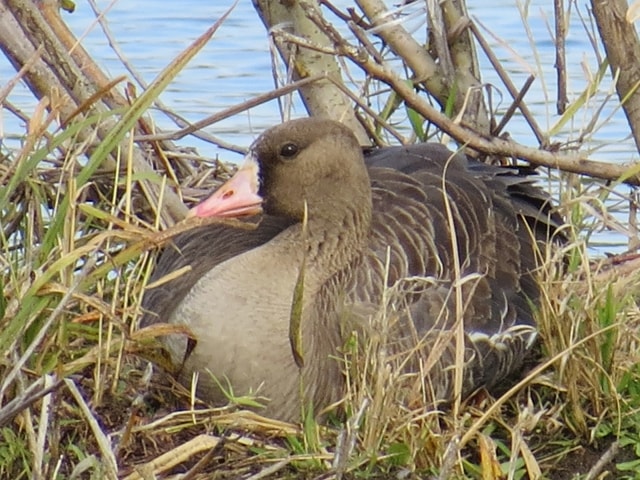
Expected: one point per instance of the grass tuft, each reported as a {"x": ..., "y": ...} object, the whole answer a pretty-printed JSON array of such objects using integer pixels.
[{"x": 79, "y": 399}]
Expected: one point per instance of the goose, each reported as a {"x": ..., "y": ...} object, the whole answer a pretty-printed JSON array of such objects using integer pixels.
[{"x": 439, "y": 242}]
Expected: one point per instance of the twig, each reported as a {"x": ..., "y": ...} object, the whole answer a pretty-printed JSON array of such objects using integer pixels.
[
  {"x": 183, "y": 123},
  {"x": 606, "y": 458},
  {"x": 517, "y": 103},
  {"x": 32, "y": 394},
  {"x": 267, "y": 472},
  {"x": 403, "y": 44},
  {"x": 229, "y": 112},
  {"x": 175, "y": 457},
  {"x": 6, "y": 89},
  {"x": 43, "y": 426},
  {"x": 108, "y": 458},
  {"x": 506, "y": 80},
  {"x": 561, "y": 64}
]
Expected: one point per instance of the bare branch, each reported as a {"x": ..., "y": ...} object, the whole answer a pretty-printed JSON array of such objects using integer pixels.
[
  {"x": 569, "y": 161},
  {"x": 623, "y": 53}
]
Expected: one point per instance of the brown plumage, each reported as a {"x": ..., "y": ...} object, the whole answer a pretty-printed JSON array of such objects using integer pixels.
[{"x": 414, "y": 220}]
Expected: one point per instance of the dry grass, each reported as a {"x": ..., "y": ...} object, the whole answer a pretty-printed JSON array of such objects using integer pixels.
[{"x": 78, "y": 399}]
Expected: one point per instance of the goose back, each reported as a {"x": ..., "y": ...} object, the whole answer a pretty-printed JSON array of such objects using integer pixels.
[{"x": 441, "y": 219}]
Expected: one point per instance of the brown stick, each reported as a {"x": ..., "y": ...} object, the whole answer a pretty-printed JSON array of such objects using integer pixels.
[{"x": 623, "y": 53}]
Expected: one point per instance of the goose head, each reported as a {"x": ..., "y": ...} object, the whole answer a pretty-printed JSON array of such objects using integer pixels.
[{"x": 312, "y": 165}]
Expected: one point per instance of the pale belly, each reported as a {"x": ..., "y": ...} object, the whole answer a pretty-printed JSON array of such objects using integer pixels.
[{"x": 240, "y": 317}]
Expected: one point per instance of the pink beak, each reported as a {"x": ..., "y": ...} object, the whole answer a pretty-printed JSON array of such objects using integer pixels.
[{"x": 237, "y": 197}]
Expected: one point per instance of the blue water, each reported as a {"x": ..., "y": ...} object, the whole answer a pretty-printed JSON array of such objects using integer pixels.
[{"x": 236, "y": 66}]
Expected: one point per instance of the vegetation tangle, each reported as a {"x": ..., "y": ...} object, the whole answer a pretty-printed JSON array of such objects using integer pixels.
[{"x": 94, "y": 192}]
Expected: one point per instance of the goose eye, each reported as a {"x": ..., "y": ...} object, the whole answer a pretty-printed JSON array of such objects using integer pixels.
[{"x": 289, "y": 150}]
